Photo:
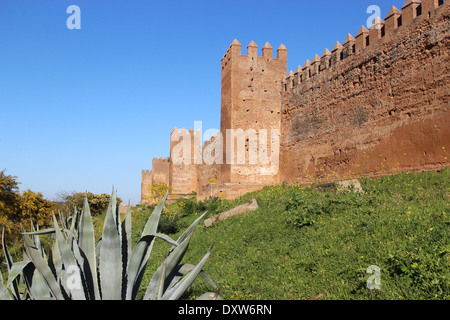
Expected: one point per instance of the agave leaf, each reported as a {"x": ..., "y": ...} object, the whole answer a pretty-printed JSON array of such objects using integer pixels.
[
  {"x": 70, "y": 265},
  {"x": 62, "y": 218},
  {"x": 181, "y": 270},
  {"x": 37, "y": 241},
  {"x": 191, "y": 228},
  {"x": 27, "y": 280},
  {"x": 175, "y": 256},
  {"x": 161, "y": 282},
  {"x": 39, "y": 289},
  {"x": 16, "y": 271},
  {"x": 174, "y": 276},
  {"x": 40, "y": 232},
  {"x": 110, "y": 259},
  {"x": 126, "y": 234},
  {"x": 40, "y": 264},
  {"x": 86, "y": 241},
  {"x": 148, "y": 241},
  {"x": 137, "y": 264},
  {"x": 210, "y": 296},
  {"x": 165, "y": 238},
  {"x": 4, "y": 294},
  {"x": 176, "y": 292},
  {"x": 141, "y": 252},
  {"x": 55, "y": 256},
  {"x": 113, "y": 206},
  {"x": 173, "y": 259},
  {"x": 9, "y": 263},
  {"x": 86, "y": 275},
  {"x": 152, "y": 223},
  {"x": 56, "y": 266},
  {"x": 126, "y": 248},
  {"x": 207, "y": 296},
  {"x": 208, "y": 279},
  {"x": 74, "y": 219}
]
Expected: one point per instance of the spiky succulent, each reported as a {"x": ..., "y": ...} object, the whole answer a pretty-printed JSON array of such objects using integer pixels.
[{"x": 79, "y": 268}]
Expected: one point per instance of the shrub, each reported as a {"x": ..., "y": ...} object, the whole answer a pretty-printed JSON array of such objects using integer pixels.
[
  {"x": 78, "y": 268},
  {"x": 20, "y": 209},
  {"x": 98, "y": 203},
  {"x": 168, "y": 224}
]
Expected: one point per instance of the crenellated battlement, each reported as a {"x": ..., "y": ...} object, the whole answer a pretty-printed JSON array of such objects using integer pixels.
[
  {"x": 209, "y": 141},
  {"x": 383, "y": 90},
  {"x": 179, "y": 132},
  {"x": 327, "y": 66},
  {"x": 235, "y": 50},
  {"x": 160, "y": 160}
]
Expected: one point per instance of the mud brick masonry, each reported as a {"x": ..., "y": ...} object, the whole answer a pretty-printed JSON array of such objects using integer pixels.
[{"x": 380, "y": 97}]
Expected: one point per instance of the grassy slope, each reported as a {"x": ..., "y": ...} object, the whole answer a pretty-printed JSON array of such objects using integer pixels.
[{"x": 306, "y": 244}]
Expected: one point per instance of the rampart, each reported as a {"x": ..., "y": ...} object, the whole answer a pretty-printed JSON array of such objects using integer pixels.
[
  {"x": 250, "y": 100},
  {"x": 378, "y": 101},
  {"x": 183, "y": 171},
  {"x": 159, "y": 174}
]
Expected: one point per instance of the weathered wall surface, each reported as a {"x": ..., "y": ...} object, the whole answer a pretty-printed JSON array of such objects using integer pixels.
[
  {"x": 378, "y": 101},
  {"x": 146, "y": 180},
  {"x": 384, "y": 105},
  {"x": 160, "y": 171},
  {"x": 183, "y": 171},
  {"x": 158, "y": 174},
  {"x": 251, "y": 99},
  {"x": 208, "y": 171}
]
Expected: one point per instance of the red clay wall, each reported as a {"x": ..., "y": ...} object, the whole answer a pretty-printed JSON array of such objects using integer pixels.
[{"x": 384, "y": 106}]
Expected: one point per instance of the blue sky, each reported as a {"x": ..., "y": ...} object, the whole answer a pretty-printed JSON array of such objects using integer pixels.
[{"x": 88, "y": 109}]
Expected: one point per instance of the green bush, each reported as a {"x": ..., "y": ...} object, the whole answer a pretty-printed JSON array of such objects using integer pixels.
[
  {"x": 76, "y": 267},
  {"x": 168, "y": 225},
  {"x": 310, "y": 243}
]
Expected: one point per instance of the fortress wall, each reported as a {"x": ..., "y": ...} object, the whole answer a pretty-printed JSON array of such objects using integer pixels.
[
  {"x": 251, "y": 100},
  {"x": 182, "y": 167},
  {"x": 146, "y": 180},
  {"x": 160, "y": 170},
  {"x": 158, "y": 174},
  {"x": 381, "y": 102},
  {"x": 208, "y": 170}
]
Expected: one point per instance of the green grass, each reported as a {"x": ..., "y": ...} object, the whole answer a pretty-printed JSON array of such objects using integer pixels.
[
  {"x": 305, "y": 243},
  {"x": 308, "y": 243}
]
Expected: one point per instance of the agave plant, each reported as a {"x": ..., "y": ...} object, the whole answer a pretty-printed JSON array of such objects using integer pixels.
[{"x": 78, "y": 268}]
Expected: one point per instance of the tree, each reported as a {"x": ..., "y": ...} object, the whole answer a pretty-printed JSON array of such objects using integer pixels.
[
  {"x": 18, "y": 210},
  {"x": 97, "y": 202},
  {"x": 157, "y": 192},
  {"x": 35, "y": 209},
  {"x": 9, "y": 200},
  {"x": 212, "y": 183}
]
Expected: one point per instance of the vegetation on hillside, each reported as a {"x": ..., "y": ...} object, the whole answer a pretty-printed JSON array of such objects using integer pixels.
[
  {"x": 77, "y": 266},
  {"x": 28, "y": 208},
  {"x": 22, "y": 209},
  {"x": 98, "y": 202},
  {"x": 316, "y": 243}
]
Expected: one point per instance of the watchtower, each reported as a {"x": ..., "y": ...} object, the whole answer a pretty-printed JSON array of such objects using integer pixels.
[{"x": 251, "y": 98}]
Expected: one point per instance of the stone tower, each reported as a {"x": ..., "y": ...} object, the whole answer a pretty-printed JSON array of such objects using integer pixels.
[
  {"x": 251, "y": 98},
  {"x": 182, "y": 167}
]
